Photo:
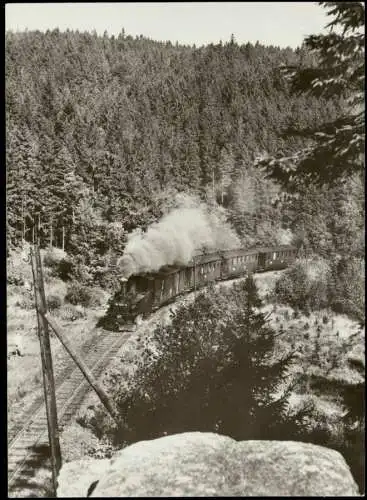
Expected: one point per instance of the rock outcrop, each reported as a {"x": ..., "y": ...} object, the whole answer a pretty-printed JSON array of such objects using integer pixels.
[{"x": 206, "y": 464}]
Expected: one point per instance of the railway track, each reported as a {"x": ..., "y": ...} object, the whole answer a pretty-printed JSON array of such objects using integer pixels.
[
  {"x": 28, "y": 437},
  {"x": 60, "y": 374}
]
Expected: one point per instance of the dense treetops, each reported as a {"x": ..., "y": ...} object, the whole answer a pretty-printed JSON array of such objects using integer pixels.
[{"x": 102, "y": 130}]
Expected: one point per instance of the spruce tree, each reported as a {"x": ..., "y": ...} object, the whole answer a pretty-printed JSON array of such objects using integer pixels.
[
  {"x": 213, "y": 368},
  {"x": 335, "y": 148}
]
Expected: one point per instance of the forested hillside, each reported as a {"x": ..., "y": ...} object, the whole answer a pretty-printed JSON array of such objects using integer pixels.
[{"x": 103, "y": 131}]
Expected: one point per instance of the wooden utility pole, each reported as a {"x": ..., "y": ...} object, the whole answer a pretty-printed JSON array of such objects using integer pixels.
[{"x": 47, "y": 369}]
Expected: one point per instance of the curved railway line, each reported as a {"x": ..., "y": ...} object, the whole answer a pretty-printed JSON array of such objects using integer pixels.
[{"x": 28, "y": 435}]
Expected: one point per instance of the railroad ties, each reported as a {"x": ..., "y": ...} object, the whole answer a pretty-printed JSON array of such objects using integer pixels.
[{"x": 28, "y": 448}]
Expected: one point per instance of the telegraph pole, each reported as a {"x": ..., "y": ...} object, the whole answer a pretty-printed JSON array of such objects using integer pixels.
[{"x": 47, "y": 368}]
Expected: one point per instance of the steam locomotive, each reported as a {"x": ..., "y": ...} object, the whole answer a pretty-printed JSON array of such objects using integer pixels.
[{"x": 141, "y": 294}]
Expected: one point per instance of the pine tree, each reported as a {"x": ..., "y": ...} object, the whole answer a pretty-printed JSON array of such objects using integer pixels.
[{"x": 336, "y": 148}]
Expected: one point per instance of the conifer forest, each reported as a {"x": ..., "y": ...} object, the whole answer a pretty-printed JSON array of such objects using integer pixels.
[
  {"x": 133, "y": 165},
  {"x": 102, "y": 130}
]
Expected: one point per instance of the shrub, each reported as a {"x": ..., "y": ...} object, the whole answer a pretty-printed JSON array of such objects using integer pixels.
[
  {"x": 53, "y": 256},
  {"x": 72, "y": 313},
  {"x": 83, "y": 295},
  {"x": 81, "y": 272},
  {"x": 313, "y": 284},
  {"x": 106, "y": 279},
  {"x": 64, "y": 270},
  {"x": 54, "y": 302},
  {"x": 347, "y": 287},
  {"x": 304, "y": 284},
  {"x": 78, "y": 294},
  {"x": 25, "y": 302},
  {"x": 16, "y": 279}
]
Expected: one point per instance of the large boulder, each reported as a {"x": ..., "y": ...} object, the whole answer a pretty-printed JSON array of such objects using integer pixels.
[
  {"x": 207, "y": 464},
  {"x": 76, "y": 478}
]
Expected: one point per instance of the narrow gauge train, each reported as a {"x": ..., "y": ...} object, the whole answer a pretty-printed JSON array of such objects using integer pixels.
[{"x": 141, "y": 294}]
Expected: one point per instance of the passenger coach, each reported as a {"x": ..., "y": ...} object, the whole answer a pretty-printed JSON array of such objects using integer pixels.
[{"x": 143, "y": 293}]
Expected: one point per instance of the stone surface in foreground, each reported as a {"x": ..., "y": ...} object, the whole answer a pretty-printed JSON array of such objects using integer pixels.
[{"x": 206, "y": 464}]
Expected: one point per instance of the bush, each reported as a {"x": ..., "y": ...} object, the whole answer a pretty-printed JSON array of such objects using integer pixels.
[
  {"x": 53, "y": 256},
  {"x": 347, "y": 287},
  {"x": 54, "y": 302},
  {"x": 106, "y": 279},
  {"x": 83, "y": 295},
  {"x": 313, "y": 284},
  {"x": 304, "y": 285},
  {"x": 64, "y": 270},
  {"x": 72, "y": 313},
  {"x": 211, "y": 369},
  {"x": 16, "y": 279},
  {"x": 26, "y": 303},
  {"x": 78, "y": 294}
]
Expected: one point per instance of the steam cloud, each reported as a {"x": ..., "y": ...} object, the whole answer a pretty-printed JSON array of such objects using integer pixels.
[
  {"x": 176, "y": 238},
  {"x": 284, "y": 237}
]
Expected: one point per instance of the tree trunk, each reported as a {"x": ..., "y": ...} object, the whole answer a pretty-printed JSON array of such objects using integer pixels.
[
  {"x": 51, "y": 234},
  {"x": 23, "y": 222}
]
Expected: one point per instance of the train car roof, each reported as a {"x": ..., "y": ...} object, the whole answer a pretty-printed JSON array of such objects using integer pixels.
[
  {"x": 276, "y": 248},
  {"x": 239, "y": 251}
]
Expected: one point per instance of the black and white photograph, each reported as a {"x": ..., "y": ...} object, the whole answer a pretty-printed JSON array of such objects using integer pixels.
[{"x": 185, "y": 249}]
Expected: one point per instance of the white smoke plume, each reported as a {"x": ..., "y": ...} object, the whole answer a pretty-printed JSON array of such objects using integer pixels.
[
  {"x": 174, "y": 240},
  {"x": 284, "y": 237}
]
